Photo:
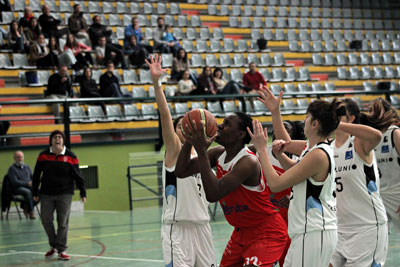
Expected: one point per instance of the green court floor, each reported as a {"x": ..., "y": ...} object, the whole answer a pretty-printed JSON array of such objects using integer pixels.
[{"x": 99, "y": 238}]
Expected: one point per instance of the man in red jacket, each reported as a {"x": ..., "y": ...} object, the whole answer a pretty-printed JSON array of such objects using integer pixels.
[{"x": 253, "y": 79}]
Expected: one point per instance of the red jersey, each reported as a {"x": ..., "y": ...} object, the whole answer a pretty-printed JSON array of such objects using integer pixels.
[
  {"x": 246, "y": 206},
  {"x": 275, "y": 197}
]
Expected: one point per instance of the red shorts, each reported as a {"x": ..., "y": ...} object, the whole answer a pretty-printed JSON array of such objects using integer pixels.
[{"x": 259, "y": 246}]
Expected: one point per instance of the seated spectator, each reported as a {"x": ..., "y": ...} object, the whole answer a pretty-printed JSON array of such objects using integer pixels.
[
  {"x": 97, "y": 30},
  {"x": 180, "y": 64},
  {"x": 88, "y": 86},
  {"x": 172, "y": 44},
  {"x": 80, "y": 51},
  {"x": 185, "y": 85},
  {"x": 253, "y": 80},
  {"x": 16, "y": 38},
  {"x": 206, "y": 84},
  {"x": 41, "y": 56},
  {"x": 137, "y": 54},
  {"x": 134, "y": 29},
  {"x": 77, "y": 24},
  {"x": 158, "y": 34},
  {"x": 25, "y": 20},
  {"x": 20, "y": 178},
  {"x": 59, "y": 86},
  {"x": 50, "y": 25},
  {"x": 33, "y": 31},
  {"x": 109, "y": 84},
  {"x": 107, "y": 52},
  {"x": 231, "y": 87}
]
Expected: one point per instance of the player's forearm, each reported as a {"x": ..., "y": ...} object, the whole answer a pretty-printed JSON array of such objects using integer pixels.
[
  {"x": 210, "y": 181},
  {"x": 183, "y": 167},
  {"x": 269, "y": 172},
  {"x": 365, "y": 133},
  {"x": 285, "y": 161},
  {"x": 279, "y": 129}
]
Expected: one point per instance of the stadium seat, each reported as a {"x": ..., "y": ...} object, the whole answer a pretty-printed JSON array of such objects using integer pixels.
[
  {"x": 378, "y": 72},
  {"x": 121, "y": 8},
  {"x": 390, "y": 72},
  {"x": 197, "y": 61},
  {"x": 149, "y": 112},
  {"x": 242, "y": 46},
  {"x": 211, "y": 60},
  {"x": 329, "y": 59},
  {"x": 236, "y": 75},
  {"x": 342, "y": 73},
  {"x": 129, "y": 77},
  {"x": 277, "y": 75},
  {"x": 303, "y": 87},
  {"x": 95, "y": 113},
  {"x": 317, "y": 46},
  {"x": 364, "y": 59},
  {"x": 291, "y": 75},
  {"x": 330, "y": 87},
  {"x": 5, "y": 61},
  {"x": 215, "y": 108},
  {"x": 225, "y": 60},
  {"x": 197, "y": 105},
  {"x": 275, "y": 88},
  {"x": 265, "y": 60},
  {"x": 304, "y": 74},
  {"x": 367, "y": 86},
  {"x": 353, "y": 59},
  {"x": 201, "y": 46},
  {"x": 376, "y": 59},
  {"x": 114, "y": 113},
  {"x": 260, "y": 109},
  {"x": 229, "y": 45},
  {"x": 238, "y": 60},
  {"x": 204, "y": 34},
  {"x": 293, "y": 46},
  {"x": 229, "y": 107},
  {"x": 131, "y": 112},
  {"x": 341, "y": 59},
  {"x": 215, "y": 46},
  {"x": 266, "y": 74},
  {"x": 145, "y": 77},
  {"x": 77, "y": 114},
  {"x": 139, "y": 92},
  {"x": 354, "y": 73},
  {"x": 218, "y": 34},
  {"x": 365, "y": 73},
  {"x": 279, "y": 60},
  {"x": 317, "y": 87},
  {"x": 188, "y": 46}
]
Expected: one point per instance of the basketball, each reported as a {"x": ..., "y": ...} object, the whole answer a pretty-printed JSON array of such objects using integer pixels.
[{"x": 200, "y": 116}]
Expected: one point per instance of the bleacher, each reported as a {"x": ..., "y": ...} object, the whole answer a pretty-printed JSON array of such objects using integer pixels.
[{"x": 308, "y": 56}]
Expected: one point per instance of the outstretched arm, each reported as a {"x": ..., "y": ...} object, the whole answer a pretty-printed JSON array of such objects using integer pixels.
[
  {"x": 273, "y": 104},
  {"x": 315, "y": 164},
  {"x": 170, "y": 138}
]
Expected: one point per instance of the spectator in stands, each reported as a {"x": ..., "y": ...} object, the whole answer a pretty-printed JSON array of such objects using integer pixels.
[
  {"x": 185, "y": 85},
  {"x": 40, "y": 54},
  {"x": 172, "y": 43},
  {"x": 25, "y": 20},
  {"x": 107, "y": 52},
  {"x": 134, "y": 29},
  {"x": 158, "y": 34},
  {"x": 50, "y": 25},
  {"x": 59, "y": 86},
  {"x": 97, "y": 30},
  {"x": 57, "y": 179},
  {"x": 80, "y": 51},
  {"x": 16, "y": 39},
  {"x": 77, "y": 24},
  {"x": 136, "y": 52},
  {"x": 109, "y": 84},
  {"x": 20, "y": 177},
  {"x": 206, "y": 84},
  {"x": 88, "y": 86},
  {"x": 180, "y": 64},
  {"x": 253, "y": 80},
  {"x": 33, "y": 31},
  {"x": 55, "y": 49},
  {"x": 231, "y": 87}
]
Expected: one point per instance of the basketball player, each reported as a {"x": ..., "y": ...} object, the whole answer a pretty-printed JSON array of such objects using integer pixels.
[
  {"x": 383, "y": 116},
  {"x": 185, "y": 232},
  {"x": 260, "y": 233},
  {"x": 312, "y": 217},
  {"x": 362, "y": 221}
]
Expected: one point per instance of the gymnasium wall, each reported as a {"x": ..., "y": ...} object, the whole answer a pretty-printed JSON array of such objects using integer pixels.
[{"x": 112, "y": 162}]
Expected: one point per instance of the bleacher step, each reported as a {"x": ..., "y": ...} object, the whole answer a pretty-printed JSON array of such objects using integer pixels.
[
  {"x": 33, "y": 120},
  {"x": 33, "y": 141}
]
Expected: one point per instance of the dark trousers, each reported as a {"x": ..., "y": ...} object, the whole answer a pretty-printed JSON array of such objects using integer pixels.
[
  {"x": 48, "y": 61},
  {"x": 114, "y": 91},
  {"x": 119, "y": 58},
  {"x": 83, "y": 60},
  {"x": 27, "y": 194},
  {"x": 231, "y": 87},
  {"x": 137, "y": 57},
  {"x": 62, "y": 205},
  {"x": 57, "y": 33}
]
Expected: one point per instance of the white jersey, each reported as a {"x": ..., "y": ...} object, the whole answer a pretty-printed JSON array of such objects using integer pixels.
[
  {"x": 357, "y": 190},
  {"x": 184, "y": 200},
  {"x": 388, "y": 163},
  {"x": 313, "y": 204}
]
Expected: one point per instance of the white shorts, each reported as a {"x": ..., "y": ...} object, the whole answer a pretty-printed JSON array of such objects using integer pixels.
[
  {"x": 392, "y": 203},
  {"x": 188, "y": 245},
  {"x": 363, "y": 248},
  {"x": 312, "y": 249}
]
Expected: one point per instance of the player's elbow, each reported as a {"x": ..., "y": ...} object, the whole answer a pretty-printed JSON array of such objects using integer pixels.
[{"x": 211, "y": 199}]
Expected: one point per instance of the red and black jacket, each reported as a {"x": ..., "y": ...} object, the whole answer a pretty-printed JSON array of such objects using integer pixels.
[{"x": 56, "y": 174}]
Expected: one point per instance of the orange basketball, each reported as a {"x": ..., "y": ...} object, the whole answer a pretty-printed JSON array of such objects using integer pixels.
[{"x": 201, "y": 116}]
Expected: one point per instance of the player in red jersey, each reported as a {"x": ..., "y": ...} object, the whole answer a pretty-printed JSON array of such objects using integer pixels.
[{"x": 260, "y": 233}]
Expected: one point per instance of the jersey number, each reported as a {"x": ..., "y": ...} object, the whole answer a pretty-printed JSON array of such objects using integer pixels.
[
  {"x": 339, "y": 185},
  {"x": 199, "y": 185},
  {"x": 252, "y": 260}
]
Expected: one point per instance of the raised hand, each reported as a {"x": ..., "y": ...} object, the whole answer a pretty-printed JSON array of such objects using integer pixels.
[
  {"x": 155, "y": 67},
  {"x": 197, "y": 137},
  {"x": 259, "y": 136},
  {"x": 269, "y": 100}
]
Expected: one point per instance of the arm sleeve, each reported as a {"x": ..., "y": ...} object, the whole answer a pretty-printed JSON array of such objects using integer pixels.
[
  {"x": 13, "y": 178},
  {"x": 51, "y": 84},
  {"x": 246, "y": 81},
  {"x": 36, "y": 177},
  {"x": 79, "y": 180},
  {"x": 83, "y": 46}
]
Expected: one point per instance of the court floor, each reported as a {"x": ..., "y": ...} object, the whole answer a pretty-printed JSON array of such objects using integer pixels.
[{"x": 102, "y": 238}]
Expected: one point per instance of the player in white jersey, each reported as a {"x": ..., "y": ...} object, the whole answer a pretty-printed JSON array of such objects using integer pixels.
[
  {"x": 383, "y": 116},
  {"x": 362, "y": 221},
  {"x": 312, "y": 209},
  {"x": 185, "y": 233}
]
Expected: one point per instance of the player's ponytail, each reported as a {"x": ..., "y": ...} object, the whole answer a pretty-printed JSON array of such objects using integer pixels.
[
  {"x": 327, "y": 114},
  {"x": 381, "y": 115}
]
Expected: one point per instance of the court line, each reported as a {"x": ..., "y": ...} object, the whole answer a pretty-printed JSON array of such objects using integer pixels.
[
  {"x": 10, "y": 253},
  {"x": 82, "y": 237},
  {"x": 97, "y": 257}
]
